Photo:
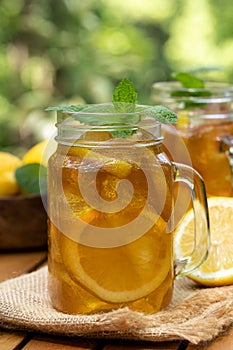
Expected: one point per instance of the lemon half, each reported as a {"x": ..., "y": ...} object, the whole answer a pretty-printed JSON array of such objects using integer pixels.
[{"x": 217, "y": 270}]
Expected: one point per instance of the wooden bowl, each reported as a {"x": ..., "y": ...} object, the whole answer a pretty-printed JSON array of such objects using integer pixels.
[{"x": 23, "y": 223}]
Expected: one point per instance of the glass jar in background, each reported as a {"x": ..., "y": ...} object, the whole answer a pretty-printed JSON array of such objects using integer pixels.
[
  {"x": 110, "y": 207},
  {"x": 205, "y": 125}
]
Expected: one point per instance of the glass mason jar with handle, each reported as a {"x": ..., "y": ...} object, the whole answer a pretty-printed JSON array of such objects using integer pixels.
[
  {"x": 110, "y": 206},
  {"x": 205, "y": 124}
]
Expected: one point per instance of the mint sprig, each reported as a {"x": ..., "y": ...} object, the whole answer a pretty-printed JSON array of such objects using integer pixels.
[
  {"x": 99, "y": 115},
  {"x": 124, "y": 96},
  {"x": 188, "y": 80},
  {"x": 123, "y": 112},
  {"x": 195, "y": 88},
  {"x": 124, "y": 99}
]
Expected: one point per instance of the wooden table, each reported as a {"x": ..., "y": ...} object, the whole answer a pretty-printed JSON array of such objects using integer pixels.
[{"x": 16, "y": 264}]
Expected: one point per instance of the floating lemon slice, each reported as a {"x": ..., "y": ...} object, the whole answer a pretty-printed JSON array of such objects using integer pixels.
[
  {"x": 124, "y": 273},
  {"x": 183, "y": 119},
  {"x": 114, "y": 166},
  {"x": 217, "y": 270}
]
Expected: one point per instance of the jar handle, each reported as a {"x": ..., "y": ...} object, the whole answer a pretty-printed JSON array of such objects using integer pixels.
[{"x": 201, "y": 246}]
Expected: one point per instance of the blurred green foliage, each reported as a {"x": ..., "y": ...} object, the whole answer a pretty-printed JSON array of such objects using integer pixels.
[{"x": 70, "y": 51}]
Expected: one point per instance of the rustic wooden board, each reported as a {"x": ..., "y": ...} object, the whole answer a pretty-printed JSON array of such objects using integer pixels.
[
  {"x": 144, "y": 346},
  {"x": 13, "y": 265},
  {"x": 59, "y": 343},
  {"x": 16, "y": 264},
  {"x": 10, "y": 340}
]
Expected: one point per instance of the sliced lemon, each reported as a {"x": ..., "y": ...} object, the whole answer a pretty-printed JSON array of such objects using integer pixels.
[
  {"x": 114, "y": 166},
  {"x": 96, "y": 136},
  {"x": 124, "y": 273},
  {"x": 217, "y": 270},
  {"x": 183, "y": 118},
  {"x": 88, "y": 215}
]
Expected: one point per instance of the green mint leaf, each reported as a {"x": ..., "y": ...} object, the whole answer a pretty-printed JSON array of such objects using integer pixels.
[
  {"x": 183, "y": 93},
  {"x": 124, "y": 96},
  {"x": 122, "y": 133},
  {"x": 188, "y": 80},
  {"x": 124, "y": 100},
  {"x": 99, "y": 115},
  {"x": 32, "y": 178},
  {"x": 125, "y": 92},
  {"x": 124, "y": 107},
  {"x": 72, "y": 108},
  {"x": 163, "y": 114}
]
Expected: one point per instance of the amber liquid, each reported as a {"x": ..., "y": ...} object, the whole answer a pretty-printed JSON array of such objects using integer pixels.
[
  {"x": 138, "y": 274},
  {"x": 204, "y": 145}
]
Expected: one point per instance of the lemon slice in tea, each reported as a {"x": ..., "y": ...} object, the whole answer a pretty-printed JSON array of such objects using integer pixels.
[
  {"x": 114, "y": 166},
  {"x": 124, "y": 273}
]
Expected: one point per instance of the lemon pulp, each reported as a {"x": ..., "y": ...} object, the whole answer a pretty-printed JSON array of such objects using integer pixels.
[
  {"x": 217, "y": 270},
  {"x": 121, "y": 274}
]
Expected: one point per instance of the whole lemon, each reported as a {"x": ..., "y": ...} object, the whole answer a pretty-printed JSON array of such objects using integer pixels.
[
  {"x": 8, "y": 164},
  {"x": 36, "y": 154}
]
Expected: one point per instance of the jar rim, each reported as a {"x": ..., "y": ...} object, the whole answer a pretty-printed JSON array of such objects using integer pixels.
[
  {"x": 106, "y": 114},
  {"x": 102, "y": 117},
  {"x": 109, "y": 109}
]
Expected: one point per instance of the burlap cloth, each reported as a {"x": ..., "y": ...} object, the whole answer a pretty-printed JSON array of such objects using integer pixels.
[{"x": 196, "y": 314}]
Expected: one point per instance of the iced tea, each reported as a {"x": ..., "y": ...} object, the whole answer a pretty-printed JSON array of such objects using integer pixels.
[
  {"x": 110, "y": 204},
  {"x": 139, "y": 274},
  {"x": 204, "y": 123}
]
